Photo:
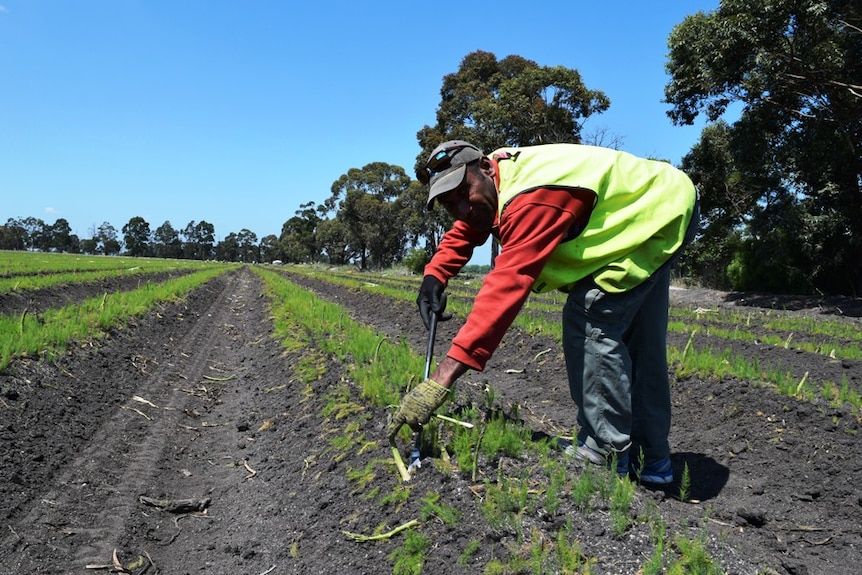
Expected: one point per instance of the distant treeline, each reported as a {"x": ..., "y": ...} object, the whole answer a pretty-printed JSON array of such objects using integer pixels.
[{"x": 195, "y": 241}]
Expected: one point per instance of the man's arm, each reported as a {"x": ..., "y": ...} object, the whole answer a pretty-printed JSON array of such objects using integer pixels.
[{"x": 454, "y": 251}]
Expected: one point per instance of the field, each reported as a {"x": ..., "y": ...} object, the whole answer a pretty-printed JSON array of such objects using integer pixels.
[{"x": 234, "y": 424}]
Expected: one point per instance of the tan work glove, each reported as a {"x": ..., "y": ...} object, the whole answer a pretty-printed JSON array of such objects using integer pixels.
[{"x": 417, "y": 406}]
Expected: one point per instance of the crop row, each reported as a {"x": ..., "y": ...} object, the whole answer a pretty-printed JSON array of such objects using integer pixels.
[
  {"x": 51, "y": 332},
  {"x": 540, "y": 316},
  {"x": 822, "y": 335},
  {"x": 20, "y": 264},
  {"x": 469, "y": 444}
]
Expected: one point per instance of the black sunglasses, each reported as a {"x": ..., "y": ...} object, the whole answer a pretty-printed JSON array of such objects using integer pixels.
[{"x": 439, "y": 162}]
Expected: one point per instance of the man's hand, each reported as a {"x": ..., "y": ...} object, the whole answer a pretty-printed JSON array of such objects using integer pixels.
[
  {"x": 431, "y": 300},
  {"x": 417, "y": 406}
]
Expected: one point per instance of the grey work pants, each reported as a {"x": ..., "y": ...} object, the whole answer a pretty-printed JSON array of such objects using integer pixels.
[{"x": 616, "y": 358}]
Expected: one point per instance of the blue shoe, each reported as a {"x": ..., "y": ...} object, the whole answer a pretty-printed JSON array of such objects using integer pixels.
[
  {"x": 659, "y": 472},
  {"x": 623, "y": 465}
]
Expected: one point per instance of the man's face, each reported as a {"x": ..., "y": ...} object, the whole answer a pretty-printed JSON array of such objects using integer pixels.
[{"x": 474, "y": 202}]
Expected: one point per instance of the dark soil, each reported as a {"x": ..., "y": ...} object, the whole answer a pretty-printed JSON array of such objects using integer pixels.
[
  {"x": 37, "y": 301},
  {"x": 197, "y": 407}
]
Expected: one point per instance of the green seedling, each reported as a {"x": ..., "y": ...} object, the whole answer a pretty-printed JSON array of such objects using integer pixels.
[
  {"x": 431, "y": 507},
  {"x": 693, "y": 558},
  {"x": 470, "y": 551},
  {"x": 397, "y": 497},
  {"x": 685, "y": 484},
  {"x": 621, "y": 502},
  {"x": 584, "y": 489},
  {"x": 410, "y": 557}
]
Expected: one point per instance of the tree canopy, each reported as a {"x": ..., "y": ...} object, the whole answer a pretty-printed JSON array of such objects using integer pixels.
[
  {"x": 368, "y": 202},
  {"x": 510, "y": 102},
  {"x": 786, "y": 177}
]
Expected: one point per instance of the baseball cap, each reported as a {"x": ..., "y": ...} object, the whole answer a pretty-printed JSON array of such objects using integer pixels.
[{"x": 446, "y": 167}]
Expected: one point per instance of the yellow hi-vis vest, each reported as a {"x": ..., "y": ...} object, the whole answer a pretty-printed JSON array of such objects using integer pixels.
[{"x": 641, "y": 211}]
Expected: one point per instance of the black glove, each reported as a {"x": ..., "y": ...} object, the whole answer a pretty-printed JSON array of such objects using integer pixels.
[{"x": 432, "y": 300}]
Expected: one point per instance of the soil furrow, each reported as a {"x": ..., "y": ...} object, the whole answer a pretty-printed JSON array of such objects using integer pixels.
[
  {"x": 38, "y": 301},
  {"x": 102, "y": 481}
]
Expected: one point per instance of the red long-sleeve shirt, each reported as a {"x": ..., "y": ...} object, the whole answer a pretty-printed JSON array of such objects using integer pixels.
[{"x": 531, "y": 227}]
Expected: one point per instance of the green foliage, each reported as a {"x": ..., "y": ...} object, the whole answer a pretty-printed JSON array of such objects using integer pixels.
[
  {"x": 368, "y": 202},
  {"x": 685, "y": 484},
  {"x": 584, "y": 489},
  {"x": 299, "y": 241},
  {"x": 416, "y": 259},
  {"x": 693, "y": 560},
  {"x": 786, "y": 177},
  {"x": 502, "y": 436},
  {"x": 52, "y": 331},
  {"x": 200, "y": 240},
  {"x": 621, "y": 501},
  {"x": 469, "y": 552},
  {"x": 513, "y": 101},
  {"x": 504, "y": 501},
  {"x": 464, "y": 442},
  {"x": 16, "y": 269},
  {"x": 136, "y": 237},
  {"x": 769, "y": 259},
  {"x": 363, "y": 477},
  {"x": 655, "y": 565},
  {"x": 410, "y": 557},
  {"x": 568, "y": 552},
  {"x": 431, "y": 507},
  {"x": 555, "y": 490},
  {"x": 397, "y": 497},
  {"x": 474, "y": 270}
]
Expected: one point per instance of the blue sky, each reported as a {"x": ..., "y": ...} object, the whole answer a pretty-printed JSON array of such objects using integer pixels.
[{"x": 238, "y": 112}]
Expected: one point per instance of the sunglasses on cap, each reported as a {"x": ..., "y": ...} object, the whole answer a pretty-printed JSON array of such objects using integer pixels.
[{"x": 440, "y": 162}]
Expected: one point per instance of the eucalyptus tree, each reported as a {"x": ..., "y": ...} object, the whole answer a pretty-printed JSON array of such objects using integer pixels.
[
  {"x": 725, "y": 205},
  {"x": 227, "y": 250},
  {"x": 509, "y": 102},
  {"x": 166, "y": 241},
  {"x": 137, "y": 237},
  {"x": 35, "y": 228},
  {"x": 269, "y": 248},
  {"x": 298, "y": 241},
  {"x": 108, "y": 244},
  {"x": 199, "y": 240},
  {"x": 249, "y": 252},
  {"x": 13, "y": 236},
  {"x": 368, "y": 202},
  {"x": 793, "y": 69},
  {"x": 422, "y": 228},
  {"x": 61, "y": 238},
  {"x": 333, "y": 239}
]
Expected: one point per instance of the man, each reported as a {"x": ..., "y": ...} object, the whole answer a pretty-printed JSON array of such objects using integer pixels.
[{"x": 600, "y": 224}]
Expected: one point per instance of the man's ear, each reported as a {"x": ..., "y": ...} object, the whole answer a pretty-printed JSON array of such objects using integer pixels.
[{"x": 488, "y": 167}]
